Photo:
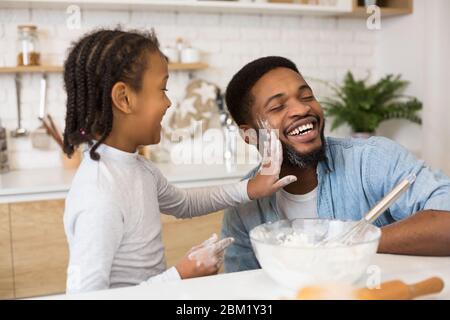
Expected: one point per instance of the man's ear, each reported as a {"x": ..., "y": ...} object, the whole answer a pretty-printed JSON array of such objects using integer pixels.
[
  {"x": 248, "y": 134},
  {"x": 120, "y": 96}
]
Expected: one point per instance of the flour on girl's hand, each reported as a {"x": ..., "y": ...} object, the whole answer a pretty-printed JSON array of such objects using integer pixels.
[{"x": 210, "y": 252}]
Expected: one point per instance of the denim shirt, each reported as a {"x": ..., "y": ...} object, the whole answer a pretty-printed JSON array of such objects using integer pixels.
[{"x": 355, "y": 176}]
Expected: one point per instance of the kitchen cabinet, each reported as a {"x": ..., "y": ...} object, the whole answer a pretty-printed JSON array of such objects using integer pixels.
[
  {"x": 181, "y": 235},
  {"x": 6, "y": 269},
  {"x": 39, "y": 248},
  {"x": 34, "y": 252}
]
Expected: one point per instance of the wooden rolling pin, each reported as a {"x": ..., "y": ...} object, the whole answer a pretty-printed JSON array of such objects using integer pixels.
[{"x": 391, "y": 290}]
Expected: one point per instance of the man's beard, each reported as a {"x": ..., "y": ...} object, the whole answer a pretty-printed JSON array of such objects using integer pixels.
[{"x": 308, "y": 160}]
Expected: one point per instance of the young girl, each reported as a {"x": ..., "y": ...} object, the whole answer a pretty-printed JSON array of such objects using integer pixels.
[{"x": 116, "y": 98}]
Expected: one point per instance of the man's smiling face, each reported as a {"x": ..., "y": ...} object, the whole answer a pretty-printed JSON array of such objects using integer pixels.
[{"x": 284, "y": 99}]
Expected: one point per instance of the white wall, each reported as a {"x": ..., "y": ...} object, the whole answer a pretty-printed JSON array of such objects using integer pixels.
[
  {"x": 417, "y": 46},
  {"x": 323, "y": 48},
  {"x": 400, "y": 51},
  {"x": 436, "y": 140}
]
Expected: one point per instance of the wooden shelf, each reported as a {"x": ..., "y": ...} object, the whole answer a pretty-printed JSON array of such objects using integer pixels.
[
  {"x": 361, "y": 12},
  {"x": 31, "y": 69},
  {"x": 59, "y": 69},
  {"x": 389, "y": 8},
  {"x": 342, "y": 6},
  {"x": 187, "y": 66},
  {"x": 345, "y": 8}
]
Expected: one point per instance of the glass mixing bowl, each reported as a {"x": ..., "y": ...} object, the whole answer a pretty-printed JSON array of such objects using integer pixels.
[{"x": 288, "y": 251}]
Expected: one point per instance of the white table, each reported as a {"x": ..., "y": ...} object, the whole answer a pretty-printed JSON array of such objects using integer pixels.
[{"x": 256, "y": 284}]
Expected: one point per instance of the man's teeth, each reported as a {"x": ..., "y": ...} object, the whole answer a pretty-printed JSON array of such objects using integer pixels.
[{"x": 302, "y": 130}]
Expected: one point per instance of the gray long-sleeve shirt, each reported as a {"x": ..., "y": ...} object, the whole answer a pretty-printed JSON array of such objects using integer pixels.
[{"x": 112, "y": 219}]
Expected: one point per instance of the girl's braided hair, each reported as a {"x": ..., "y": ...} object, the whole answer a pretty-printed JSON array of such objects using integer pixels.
[{"x": 94, "y": 64}]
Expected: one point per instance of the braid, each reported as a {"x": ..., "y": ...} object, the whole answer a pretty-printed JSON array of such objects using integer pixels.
[
  {"x": 93, "y": 66},
  {"x": 81, "y": 79},
  {"x": 111, "y": 73},
  {"x": 130, "y": 57},
  {"x": 91, "y": 69},
  {"x": 107, "y": 114},
  {"x": 69, "y": 84},
  {"x": 82, "y": 89}
]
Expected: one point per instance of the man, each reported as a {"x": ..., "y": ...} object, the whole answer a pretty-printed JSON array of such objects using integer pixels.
[{"x": 336, "y": 178}]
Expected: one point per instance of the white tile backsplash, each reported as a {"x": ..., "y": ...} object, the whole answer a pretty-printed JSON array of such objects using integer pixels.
[{"x": 323, "y": 48}]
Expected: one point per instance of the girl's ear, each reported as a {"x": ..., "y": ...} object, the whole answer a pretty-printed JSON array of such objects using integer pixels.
[{"x": 120, "y": 97}]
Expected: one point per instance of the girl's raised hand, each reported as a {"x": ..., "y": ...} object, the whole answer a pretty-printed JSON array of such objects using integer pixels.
[{"x": 268, "y": 181}]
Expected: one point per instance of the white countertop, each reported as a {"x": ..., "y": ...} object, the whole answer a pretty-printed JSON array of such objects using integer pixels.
[
  {"x": 54, "y": 183},
  {"x": 256, "y": 284}
]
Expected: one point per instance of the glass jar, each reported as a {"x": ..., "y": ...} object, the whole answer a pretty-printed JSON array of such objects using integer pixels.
[{"x": 28, "y": 46}]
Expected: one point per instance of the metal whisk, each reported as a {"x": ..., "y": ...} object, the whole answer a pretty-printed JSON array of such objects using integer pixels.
[{"x": 347, "y": 236}]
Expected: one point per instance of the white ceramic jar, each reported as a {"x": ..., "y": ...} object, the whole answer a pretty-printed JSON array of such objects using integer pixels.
[{"x": 190, "y": 55}]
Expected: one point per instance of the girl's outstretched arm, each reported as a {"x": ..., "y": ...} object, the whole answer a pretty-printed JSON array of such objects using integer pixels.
[{"x": 195, "y": 202}]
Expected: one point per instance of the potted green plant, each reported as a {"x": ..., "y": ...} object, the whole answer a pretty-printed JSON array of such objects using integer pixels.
[{"x": 363, "y": 107}]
